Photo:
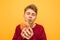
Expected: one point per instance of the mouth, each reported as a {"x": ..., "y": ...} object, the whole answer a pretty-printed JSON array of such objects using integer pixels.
[{"x": 30, "y": 21}]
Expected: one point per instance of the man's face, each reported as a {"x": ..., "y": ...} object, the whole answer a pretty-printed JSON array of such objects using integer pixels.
[{"x": 30, "y": 15}]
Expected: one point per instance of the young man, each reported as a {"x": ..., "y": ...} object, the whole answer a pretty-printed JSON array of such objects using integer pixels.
[{"x": 29, "y": 30}]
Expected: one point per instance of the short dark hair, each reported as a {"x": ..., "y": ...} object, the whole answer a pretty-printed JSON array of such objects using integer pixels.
[{"x": 32, "y": 6}]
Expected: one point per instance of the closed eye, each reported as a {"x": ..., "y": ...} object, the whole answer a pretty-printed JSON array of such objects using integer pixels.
[
  {"x": 28, "y": 13},
  {"x": 33, "y": 14}
]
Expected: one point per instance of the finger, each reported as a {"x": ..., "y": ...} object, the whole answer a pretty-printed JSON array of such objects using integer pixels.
[
  {"x": 23, "y": 31},
  {"x": 28, "y": 32},
  {"x": 24, "y": 36},
  {"x": 30, "y": 29}
]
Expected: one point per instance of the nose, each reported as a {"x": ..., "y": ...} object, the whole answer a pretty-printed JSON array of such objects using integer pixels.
[{"x": 30, "y": 16}]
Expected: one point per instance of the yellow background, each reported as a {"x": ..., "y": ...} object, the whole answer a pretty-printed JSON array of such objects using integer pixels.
[{"x": 11, "y": 14}]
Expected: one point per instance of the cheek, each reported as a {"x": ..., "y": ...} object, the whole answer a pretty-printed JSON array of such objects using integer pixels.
[{"x": 26, "y": 17}]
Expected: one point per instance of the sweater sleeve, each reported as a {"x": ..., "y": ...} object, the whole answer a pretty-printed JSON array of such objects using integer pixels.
[
  {"x": 17, "y": 33},
  {"x": 43, "y": 35}
]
